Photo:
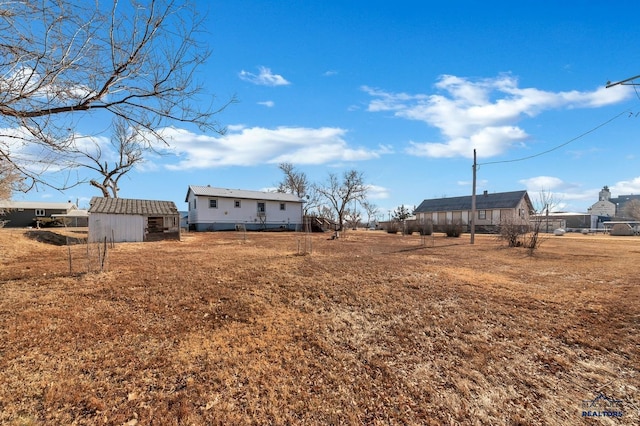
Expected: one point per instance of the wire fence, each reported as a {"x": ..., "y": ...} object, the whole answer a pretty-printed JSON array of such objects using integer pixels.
[{"x": 85, "y": 257}]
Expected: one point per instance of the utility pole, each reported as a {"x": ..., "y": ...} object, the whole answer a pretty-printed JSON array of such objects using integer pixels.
[{"x": 473, "y": 200}]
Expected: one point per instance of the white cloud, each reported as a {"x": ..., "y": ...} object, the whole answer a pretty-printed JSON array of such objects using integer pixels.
[
  {"x": 561, "y": 194},
  {"x": 481, "y": 114},
  {"x": 264, "y": 78},
  {"x": 626, "y": 187},
  {"x": 268, "y": 104},
  {"x": 258, "y": 145},
  {"x": 26, "y": 79},
  {"x": 376, "y": 192},
  {"x": 30, "y": 154},
  {"x": 541, "y": 183}
]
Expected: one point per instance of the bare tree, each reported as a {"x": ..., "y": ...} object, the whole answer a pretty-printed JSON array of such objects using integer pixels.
[
  {"x": 339, "y": 193},
  {"x": 125, "y": 151},
  {"x": 352, "y": 218},
  {"x": 296, "y": 182},
  {"x": 65, "y": 63},
  {"x": 326, "y": 212},
  {"x": 632, "y": 209},
  {"x": 371, "y": 210},
  {"x": 10, "y": 180}
]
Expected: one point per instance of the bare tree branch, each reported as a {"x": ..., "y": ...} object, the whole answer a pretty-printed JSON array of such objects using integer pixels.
[
  {"x": 632, "y": 209},
  {"x": 64, "y": 63}
]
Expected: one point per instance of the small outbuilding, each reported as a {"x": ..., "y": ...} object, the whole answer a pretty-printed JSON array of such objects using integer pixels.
[{"x": 131, "y": 220}]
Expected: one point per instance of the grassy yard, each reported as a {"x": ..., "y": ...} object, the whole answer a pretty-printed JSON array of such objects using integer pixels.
[{"x": 285, "y": 328}]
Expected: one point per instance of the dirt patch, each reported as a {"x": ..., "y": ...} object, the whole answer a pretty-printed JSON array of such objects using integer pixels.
[
  {"x": 234, "y": 328},
  {"x": 57, "y": 238}
]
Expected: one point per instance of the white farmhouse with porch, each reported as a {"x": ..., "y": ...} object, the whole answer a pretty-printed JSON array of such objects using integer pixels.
[{"x": 221, "y": 209}]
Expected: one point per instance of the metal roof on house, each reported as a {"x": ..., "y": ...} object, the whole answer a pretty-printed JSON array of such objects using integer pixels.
[
  {"x": 208, "y": 191},
  {"x": 498, "y": 200},
  {"x": 8, "y": 204},
  {"x": 73, "y": 213},
  {"x": 132, "y": 207}
]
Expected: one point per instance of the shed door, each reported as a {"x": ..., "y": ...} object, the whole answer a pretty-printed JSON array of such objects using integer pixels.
[{"x": 155, "y": 224}]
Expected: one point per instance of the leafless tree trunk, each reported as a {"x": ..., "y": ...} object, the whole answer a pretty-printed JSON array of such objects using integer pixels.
[{"x": 68, "y": 63}]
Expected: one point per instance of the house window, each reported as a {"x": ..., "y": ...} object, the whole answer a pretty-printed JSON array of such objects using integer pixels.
[
  {"x": 236, "y": 204},
  {"x": 261, "y": 208},
  {"x": 283, "y": 206},
  {"x": 213, "y": 204},
  {"x": 40, "y": 212},
  {"x": 521, "y": 213},
  {"x": 482, "y": 214}
]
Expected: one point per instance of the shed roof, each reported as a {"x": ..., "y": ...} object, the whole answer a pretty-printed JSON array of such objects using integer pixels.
[
  {"x": 129, "y": 206},
  {"x": 209, "y": 191},
  {"x": 498, "y": 200}
]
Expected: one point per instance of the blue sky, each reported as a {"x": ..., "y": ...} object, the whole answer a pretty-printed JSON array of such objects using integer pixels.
[{"x": 404, "y": 91}]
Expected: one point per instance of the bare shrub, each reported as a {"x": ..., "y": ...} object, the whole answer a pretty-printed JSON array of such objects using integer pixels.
[
  {"x": 426, "y": 228},
  {"x": 513, "y": 232},
  {"x": 454, "y": 228},
  {"x": 392, "y": 228},
  {"x": 517, "y": 233},
  {"x": 410, "y": 228}
]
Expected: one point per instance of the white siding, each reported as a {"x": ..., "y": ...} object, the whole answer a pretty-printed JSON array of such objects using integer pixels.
[
  {"x": 116, "y": 227},
  {"x": 603, "y": 208},
  {"x": 226, "y": 213}
]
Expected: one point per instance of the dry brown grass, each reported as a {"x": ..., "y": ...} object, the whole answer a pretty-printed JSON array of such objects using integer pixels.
[{"x": 370, "y": 329}]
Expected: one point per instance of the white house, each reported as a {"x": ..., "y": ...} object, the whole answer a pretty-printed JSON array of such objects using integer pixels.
[{"x": 220, "y": 209}]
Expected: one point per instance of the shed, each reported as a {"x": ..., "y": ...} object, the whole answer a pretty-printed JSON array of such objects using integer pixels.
[{"x": 131, "y": 220}]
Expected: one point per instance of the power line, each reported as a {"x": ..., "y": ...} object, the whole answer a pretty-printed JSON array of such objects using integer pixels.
[{"x": 561, "y": 145}]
